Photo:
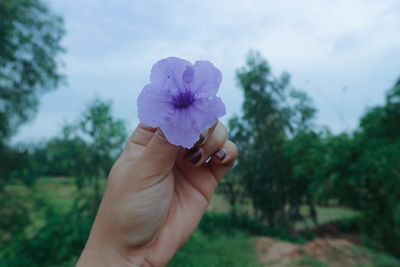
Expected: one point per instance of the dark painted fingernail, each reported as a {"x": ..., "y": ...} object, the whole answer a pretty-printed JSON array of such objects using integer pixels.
[
  {"x": 220, "y": 154},
  {"x": 194, "y": 155},
  {"x": 202, "y": 137}
]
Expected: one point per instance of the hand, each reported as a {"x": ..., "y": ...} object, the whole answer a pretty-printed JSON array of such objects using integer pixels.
[{"x": 155, "y": 197}]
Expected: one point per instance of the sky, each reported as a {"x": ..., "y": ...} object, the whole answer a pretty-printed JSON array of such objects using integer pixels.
[{"x": 345, "y": 53}]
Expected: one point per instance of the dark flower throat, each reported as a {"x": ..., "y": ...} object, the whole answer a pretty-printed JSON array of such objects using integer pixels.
[{"x": 183, "y": 100}]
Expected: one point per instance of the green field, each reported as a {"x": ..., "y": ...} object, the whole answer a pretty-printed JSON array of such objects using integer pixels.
[
  {"x": 220, "y": 248},
  {"x": 60, "y": 193},
  {"x": 201, "y": 250}
]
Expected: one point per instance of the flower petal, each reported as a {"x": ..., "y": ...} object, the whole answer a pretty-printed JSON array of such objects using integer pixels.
[
  {"x": 167, "y": 73},
  {"x": 181, "y": 99},
  {"x": 182, "y": 130},
  {"x": 154, "y": 106},
  {"x": 188, "y": 75},
  {"x": 206, "y": 111},
  {"x": 206, "y": 80}
]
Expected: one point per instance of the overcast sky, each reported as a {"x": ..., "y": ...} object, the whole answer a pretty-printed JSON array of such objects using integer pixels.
[{"x": 325, "y": 45}]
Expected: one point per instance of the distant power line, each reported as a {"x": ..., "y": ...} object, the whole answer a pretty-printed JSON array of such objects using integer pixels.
[{"x": 338, "y": 112}]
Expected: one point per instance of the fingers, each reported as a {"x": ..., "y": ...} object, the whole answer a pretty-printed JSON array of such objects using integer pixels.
[
  {"x": 206, "y": 133},
  {"x": 137, "y": 142},
  {"x": 223, "y": 160},
  {"x": 216, "y": 138},
  {"x": 205, "y": 177},
  {"x": 142, "y": 135},
  {"x": 160, "y": 154},
  {"x": 157, "y": 155}
]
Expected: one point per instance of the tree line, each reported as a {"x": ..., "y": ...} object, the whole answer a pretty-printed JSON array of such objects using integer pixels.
[{"x": 286, "y": 162}]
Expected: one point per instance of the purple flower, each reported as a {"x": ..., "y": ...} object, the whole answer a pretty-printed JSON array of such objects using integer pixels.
[{"x": 181, "y": 99}]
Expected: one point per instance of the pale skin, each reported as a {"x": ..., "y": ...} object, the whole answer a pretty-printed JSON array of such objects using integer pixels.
[{"x": 155, "y": 198}]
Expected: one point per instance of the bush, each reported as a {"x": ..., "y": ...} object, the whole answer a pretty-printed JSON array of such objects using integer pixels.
[{"x": 58, "y": 242}]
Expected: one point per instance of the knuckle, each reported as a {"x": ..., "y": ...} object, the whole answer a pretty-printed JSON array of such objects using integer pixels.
[
  {"x": 234, "y": 150},
  {"x": 224, "y": 129},
  {"x": 160, "y": 138},
  {"x": 215, "y": 125},
  {"x": 146, "y": 128},
  {"x": 223, "y": 132}
]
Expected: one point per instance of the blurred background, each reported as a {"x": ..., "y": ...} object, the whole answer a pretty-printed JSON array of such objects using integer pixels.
[{"x": 312, "y": 90}]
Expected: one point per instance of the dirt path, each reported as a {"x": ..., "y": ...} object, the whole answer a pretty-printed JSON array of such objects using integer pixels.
[{"x": 332, "y": 252}]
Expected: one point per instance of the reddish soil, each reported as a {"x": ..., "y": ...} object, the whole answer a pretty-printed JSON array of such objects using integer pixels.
[
  {"x": 332, "y": 252},
  {"x": 330, "y": 230}
]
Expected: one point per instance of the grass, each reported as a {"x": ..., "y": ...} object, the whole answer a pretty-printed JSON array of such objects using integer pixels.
[
  {"x": 307, "y": 261},
  {"x": 219, "y": 250},
  {"x": 325, "y": 215},
  {"x": 58, "y": 192},
  {"x": 219, "y": 204},
  {"x": 377, "y": 259},
  {"x": 235, "y": 249}
]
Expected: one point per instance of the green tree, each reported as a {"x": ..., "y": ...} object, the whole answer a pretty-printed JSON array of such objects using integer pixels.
[
  {"x": 86, "y": 149},
  {"x": 103, "y": 136},
  {"x": 364, "y": 171},
  {"x": 307, "y": 157},
  {"x": 273, "y": 112},
  {"x": 233, "y": 187},
  {"x": 377, "y": 175},
  {"x": 61, "y": 155},
  {"x": 30, "y": 36}
]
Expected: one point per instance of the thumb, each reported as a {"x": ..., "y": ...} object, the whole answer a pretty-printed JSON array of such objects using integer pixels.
[{"x": 159, "y": 156}]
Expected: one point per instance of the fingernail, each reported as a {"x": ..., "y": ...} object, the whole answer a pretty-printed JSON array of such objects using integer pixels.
[
  {"x": 220, "y": 154},
  {"x": 202, "y": 137},
  {"x": 194, "y": 155}
]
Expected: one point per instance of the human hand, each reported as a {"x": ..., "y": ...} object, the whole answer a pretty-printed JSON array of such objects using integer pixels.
[{"x": 155, "y": 197}]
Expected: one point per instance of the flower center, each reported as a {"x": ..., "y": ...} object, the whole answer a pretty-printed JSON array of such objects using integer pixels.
[{"x": 184, "y": 99}]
